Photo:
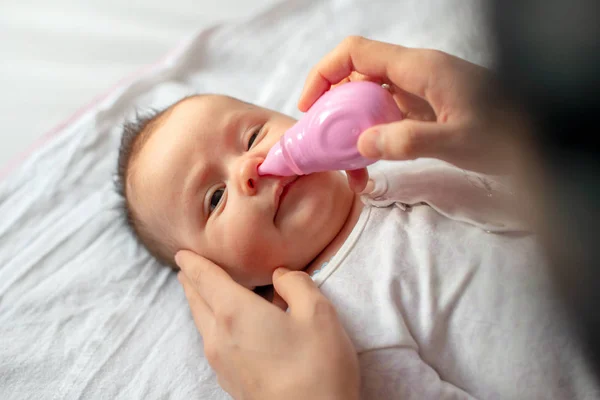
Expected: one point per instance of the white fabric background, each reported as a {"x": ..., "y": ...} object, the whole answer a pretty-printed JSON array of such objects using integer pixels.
[
  {"x": 84, "y": 312},
  {"x": 56, "y": 56}
]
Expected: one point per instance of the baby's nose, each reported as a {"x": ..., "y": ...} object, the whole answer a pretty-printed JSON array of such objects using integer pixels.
[{"x": 249, "y": 177}]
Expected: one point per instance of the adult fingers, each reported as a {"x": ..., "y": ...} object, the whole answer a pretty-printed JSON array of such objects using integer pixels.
[
  {"x": 357, "y": 179},
  {"x": 279, "y": 301},
  {"x": 409, "y": 139},
  {"x": 202, "y": 314},
  {"x": 407, "y": 68},
  {"x": 300, "y": 292},
  {"x": 212, "y": 283},
  {"x": 412, "y": 107},
  {"x": 356, "y": 77}
]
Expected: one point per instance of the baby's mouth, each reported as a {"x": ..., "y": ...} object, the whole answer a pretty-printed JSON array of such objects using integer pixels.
[{"x": 281, "y": 191}]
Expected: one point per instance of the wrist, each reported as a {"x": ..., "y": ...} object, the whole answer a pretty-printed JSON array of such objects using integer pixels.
[{"x": 315, "y": 389}]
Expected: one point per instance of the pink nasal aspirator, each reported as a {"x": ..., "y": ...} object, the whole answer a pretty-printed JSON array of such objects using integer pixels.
[{"x": 325, "y": 138}]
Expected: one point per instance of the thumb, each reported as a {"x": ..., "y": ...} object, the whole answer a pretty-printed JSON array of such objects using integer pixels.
[
  {"x": 297, "y": 289},
  {"x": 410, "y": 139}
]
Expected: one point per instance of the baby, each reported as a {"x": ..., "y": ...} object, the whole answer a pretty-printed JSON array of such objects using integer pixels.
[
  {"x": 437, "y": 305},
  {"x": 190, "y": 181}
]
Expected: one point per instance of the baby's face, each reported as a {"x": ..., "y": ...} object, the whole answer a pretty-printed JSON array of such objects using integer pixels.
[{"x": 195, "y": 185}]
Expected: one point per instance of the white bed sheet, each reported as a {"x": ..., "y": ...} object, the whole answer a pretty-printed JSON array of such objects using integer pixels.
[
  {"x": 84, "y": 311},
  {"x": 58, "y": 55}
]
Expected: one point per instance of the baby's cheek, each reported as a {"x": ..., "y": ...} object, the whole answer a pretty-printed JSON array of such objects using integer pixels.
[{"x": 251, "y": 249}]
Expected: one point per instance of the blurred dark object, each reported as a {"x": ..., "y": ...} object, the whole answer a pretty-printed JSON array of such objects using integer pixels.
[{"x": 548, "y": 58}]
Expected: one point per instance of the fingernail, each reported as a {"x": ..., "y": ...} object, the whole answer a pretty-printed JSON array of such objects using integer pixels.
[
  {"x": 371, "y": 143},
  {"x": 280, "y": 272}
]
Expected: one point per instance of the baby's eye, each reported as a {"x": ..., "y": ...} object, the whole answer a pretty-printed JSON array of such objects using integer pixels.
[
  {"x": 215, "y": 198},
  {"x": 253, "y": 138}
]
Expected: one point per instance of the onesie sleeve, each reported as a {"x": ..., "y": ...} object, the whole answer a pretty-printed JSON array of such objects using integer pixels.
[
  {"x": 458, "y": 194},
  {"x": 400, "y": 373}
]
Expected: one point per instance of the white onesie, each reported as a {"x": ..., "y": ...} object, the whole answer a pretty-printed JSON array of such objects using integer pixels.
[{"x": 440, "y": 304}]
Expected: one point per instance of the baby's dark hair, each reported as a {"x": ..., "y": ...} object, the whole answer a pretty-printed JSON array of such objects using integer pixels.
[{"x": 134, "y": 135}]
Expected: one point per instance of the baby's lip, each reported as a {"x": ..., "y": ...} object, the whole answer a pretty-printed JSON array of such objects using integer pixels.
[{"x": 280, "y": 188}]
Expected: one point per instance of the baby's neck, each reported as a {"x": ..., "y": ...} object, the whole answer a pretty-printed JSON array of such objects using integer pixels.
[{"x": 340, "y": 238}]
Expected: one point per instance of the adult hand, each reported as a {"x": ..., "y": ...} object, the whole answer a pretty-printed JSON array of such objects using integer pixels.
[
  {"x": 262, "y": 352},
  {"x": 437, "y": 93}
]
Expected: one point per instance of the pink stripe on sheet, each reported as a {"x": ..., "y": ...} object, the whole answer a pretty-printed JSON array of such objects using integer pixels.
[{"x": 12, "y": 164}]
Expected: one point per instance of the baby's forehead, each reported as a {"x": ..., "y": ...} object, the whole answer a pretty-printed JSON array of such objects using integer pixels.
[
  {"x": 210, "y": 103},
  {"x": 169, "y": 150},
  {"x": 208, "y": 115}
]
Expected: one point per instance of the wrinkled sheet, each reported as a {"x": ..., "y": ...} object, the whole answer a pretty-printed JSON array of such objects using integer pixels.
[{"x": 84, "y": 311}]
